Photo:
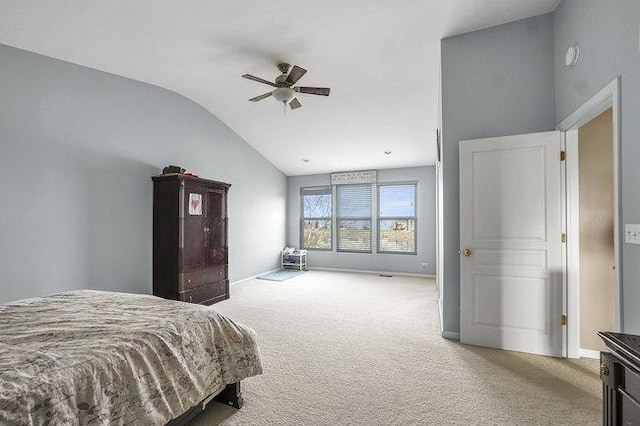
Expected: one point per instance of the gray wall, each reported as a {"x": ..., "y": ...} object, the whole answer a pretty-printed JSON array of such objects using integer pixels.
[
  {"x": 495, "y": 82},
  {"x": 425, "y": 176},
  {"x": 78, "y": 148},
  {"x": 607, "y": 32}
]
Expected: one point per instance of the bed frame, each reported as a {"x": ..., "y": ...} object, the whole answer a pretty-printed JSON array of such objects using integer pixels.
[{"x": 231, "y": 395}]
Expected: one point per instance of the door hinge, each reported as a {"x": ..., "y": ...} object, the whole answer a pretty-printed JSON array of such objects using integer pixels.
[
  {"x": 563, "y": 155},
  {"x": 564, "y": 237},
  {"x": 563, "y": 320}
]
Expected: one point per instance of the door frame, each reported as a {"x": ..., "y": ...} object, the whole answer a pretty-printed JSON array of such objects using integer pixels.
[{"x": 608, "y": 97}]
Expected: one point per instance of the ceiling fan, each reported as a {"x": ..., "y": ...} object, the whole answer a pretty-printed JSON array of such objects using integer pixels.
[{"x": 285, "y": 91}]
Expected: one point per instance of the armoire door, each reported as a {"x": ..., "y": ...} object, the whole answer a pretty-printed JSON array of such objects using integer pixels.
[
  {"x": 216, "y": 231},
  {"x": 193, "y": 239}
]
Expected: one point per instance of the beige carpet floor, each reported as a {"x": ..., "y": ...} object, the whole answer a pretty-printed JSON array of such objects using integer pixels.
[{"x": 359, "y": 349}]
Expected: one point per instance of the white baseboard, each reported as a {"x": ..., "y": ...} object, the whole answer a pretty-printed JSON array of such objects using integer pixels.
[
  {"x": 363, "y": 271},
  {"x": 404, "y": 274},
  {"x": 252, "y": 277},
  {"x": 451, "y": 335},
  {"x": 589, "y": 353}
]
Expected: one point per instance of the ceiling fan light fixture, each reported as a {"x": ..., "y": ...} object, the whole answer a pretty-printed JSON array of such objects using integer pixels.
[{"x": 284, "y": 94}]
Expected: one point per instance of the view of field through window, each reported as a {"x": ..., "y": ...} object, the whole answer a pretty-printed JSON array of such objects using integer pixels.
[{"x": 397, "y": 235}]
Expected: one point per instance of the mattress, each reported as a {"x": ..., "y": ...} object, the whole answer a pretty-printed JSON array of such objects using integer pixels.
[{"x": 94, "y": 357}]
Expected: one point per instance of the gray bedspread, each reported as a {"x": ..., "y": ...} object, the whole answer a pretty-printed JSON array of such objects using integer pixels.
[{"x": 93, "y": 357}]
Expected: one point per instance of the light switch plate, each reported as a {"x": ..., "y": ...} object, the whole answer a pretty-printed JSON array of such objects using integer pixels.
[{"x": 632, "y": 233}]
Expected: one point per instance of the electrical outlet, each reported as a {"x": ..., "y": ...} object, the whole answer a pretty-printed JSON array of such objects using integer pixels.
[
  {"x": 632, "y": 233},
  {"x": 425, "y": 265}
]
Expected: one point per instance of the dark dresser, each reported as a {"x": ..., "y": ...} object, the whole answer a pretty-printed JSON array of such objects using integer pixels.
[
  {"x": 620, "y": 375},
  {"x": 190, "y": 251}
]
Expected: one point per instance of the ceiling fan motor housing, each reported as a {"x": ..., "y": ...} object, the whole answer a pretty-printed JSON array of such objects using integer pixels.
[{"x": 284, "y": 67}]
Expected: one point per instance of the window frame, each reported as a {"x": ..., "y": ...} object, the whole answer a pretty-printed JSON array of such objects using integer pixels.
[
  {"x": 331, "y": 218},
  {"x": 363, "y": 218},
  {"x": 380, "y": 218}
]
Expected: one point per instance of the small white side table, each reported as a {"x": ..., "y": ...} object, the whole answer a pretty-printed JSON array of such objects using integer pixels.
[{"x": 297, "y": 259}]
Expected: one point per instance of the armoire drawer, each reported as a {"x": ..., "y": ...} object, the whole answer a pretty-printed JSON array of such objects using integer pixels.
[
  {"x": 195, "y": 279},
  {"x": 632, "y": 383},
  {"x": 207, "y": 294}
]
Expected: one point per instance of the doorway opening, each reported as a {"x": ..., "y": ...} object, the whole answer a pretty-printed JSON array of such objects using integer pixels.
[{"x": 596, "y": 247}]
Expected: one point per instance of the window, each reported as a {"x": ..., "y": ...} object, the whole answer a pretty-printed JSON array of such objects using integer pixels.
[
  {"x": 317, "y": 208},
  {"x": 397, "y": 218},
  {"x": 353, "y": 220},
  {"x": 354, "y": 217}
]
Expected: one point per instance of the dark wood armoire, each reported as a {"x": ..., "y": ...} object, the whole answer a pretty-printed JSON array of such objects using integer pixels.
[
  {"x": 620, "y": 375},
  {"x": 190, "y": 252}
]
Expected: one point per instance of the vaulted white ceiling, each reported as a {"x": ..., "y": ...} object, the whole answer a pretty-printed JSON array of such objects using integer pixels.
[{"x": 380, "y": 59}]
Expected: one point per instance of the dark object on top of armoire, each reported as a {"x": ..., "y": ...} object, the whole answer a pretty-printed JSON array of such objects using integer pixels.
[
  {"x": 190, "y": 252},
  {"x": 620, "y": 375},
  {"x": 173, "y": 169}
]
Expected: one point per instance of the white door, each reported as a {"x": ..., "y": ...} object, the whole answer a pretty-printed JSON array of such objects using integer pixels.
[{"x": 511, "y": 243}]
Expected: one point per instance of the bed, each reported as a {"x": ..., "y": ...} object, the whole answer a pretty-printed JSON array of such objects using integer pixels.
[{"x": 94, "y": 357}]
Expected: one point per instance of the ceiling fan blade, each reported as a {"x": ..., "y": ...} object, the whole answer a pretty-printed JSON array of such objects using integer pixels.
[
  {"x": 259, "y": 80},
  {"x": 295, "y": 103},
  {"x": 261, "y": 97},
  {"x": 295, "y": 74},
  {"x": 324, "y": 91}
]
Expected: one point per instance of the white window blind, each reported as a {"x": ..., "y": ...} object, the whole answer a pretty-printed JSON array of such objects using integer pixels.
[
  {"x": 316, "y": 216},
  {"x": 354, "y": 218},
  {"x": 397, "y": 218}
]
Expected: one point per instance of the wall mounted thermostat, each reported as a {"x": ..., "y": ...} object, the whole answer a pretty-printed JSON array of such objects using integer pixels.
[{"x": 632, "y": 233}]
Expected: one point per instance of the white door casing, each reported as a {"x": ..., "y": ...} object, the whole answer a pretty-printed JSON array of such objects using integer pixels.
[
  {"x": 511, "y": 193},
  {"x": 608, "y": 97}
]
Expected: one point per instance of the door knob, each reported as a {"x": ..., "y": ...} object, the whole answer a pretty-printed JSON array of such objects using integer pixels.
[{"x": 467, "y": 252}]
